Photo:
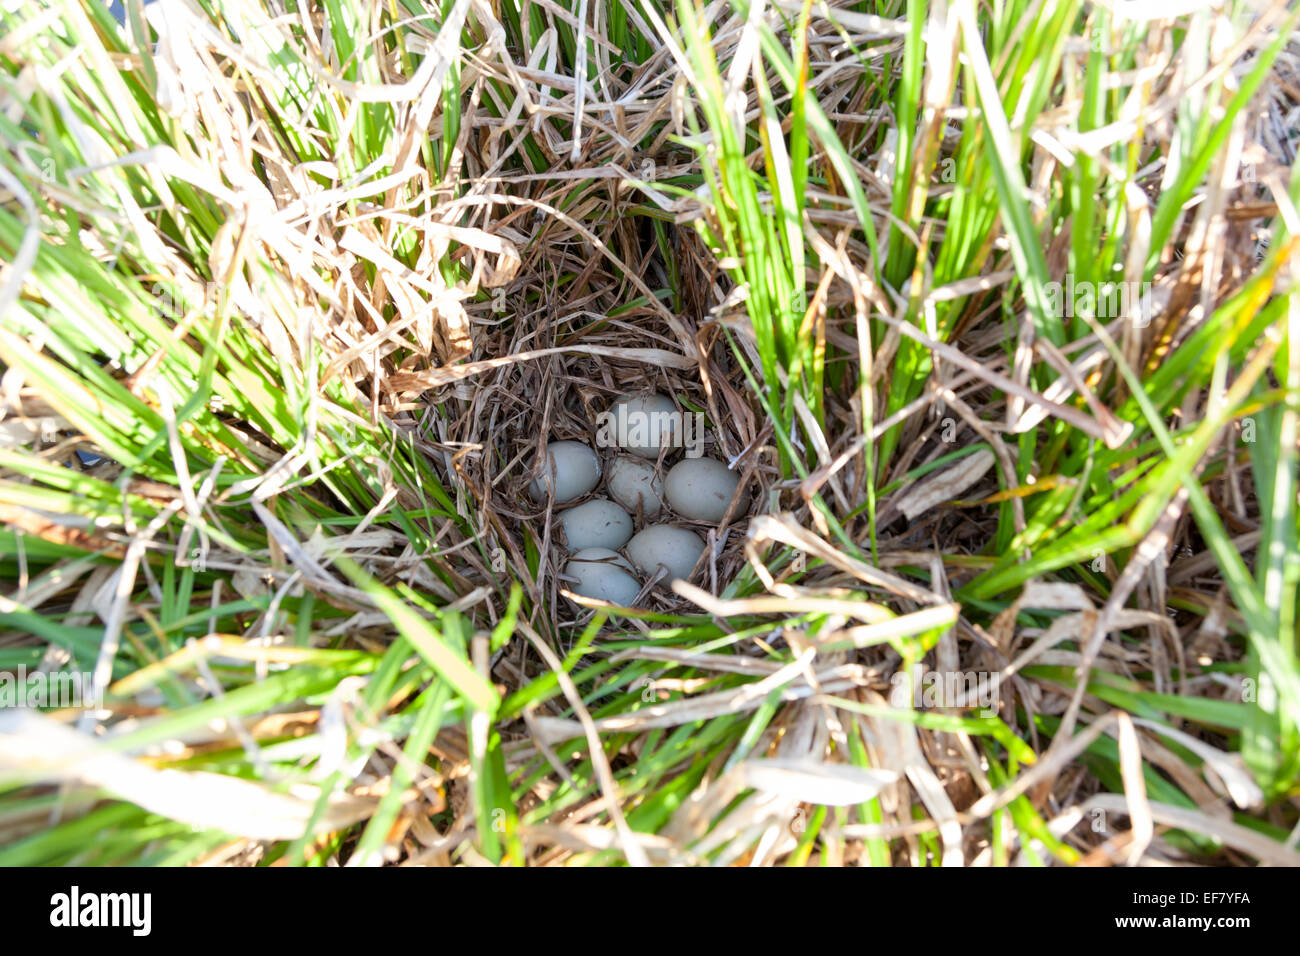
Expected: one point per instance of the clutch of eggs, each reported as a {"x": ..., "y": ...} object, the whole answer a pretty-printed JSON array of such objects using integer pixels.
[{"x": 698, "y": 489}]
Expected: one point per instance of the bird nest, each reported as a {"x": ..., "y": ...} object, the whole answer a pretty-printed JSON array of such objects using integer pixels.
[{"x": 571, "y": 358}]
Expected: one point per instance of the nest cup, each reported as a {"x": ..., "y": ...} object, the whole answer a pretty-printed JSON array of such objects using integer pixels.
[{"x": 608, "y": 405}]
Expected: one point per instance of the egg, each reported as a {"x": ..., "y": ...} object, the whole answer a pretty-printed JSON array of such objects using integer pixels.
[
  {"x": 573, "y": 468},
  {"x": 701, "y": 488},
  {"x": 603, "y": 574},
  {"x": 677, "y": 549},
  {"x": 598, "y": 523},
  {"x": 646, "y": 423},
  {"x": 633, "y": 483}
]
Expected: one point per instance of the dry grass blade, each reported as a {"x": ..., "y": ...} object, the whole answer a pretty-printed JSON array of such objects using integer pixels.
[
  {"x": 34, "y": 748},
  {"x": 1232, "y": 834},
  {"x": 944, "y": 486}
]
